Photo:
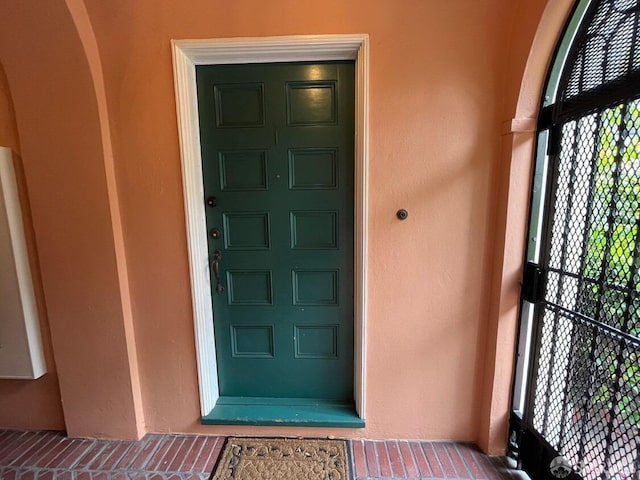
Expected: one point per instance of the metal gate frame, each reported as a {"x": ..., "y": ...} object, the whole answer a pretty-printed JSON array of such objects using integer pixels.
[{"x": 600, "y": 346}]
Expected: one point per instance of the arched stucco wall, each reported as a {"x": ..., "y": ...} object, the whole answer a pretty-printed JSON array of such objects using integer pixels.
[
  {"x": 64, "y": 163},
  {"x": 524, "y": 85},
  {"x": 437, "y": 98},
  {"x": 85, "y": 31},
  {"x": 99, "y": 136}
]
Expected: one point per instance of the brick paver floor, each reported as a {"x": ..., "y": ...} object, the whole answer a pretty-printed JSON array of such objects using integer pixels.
[{"x": 53, "y": 456}]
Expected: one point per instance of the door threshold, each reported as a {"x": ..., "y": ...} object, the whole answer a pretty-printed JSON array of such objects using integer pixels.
[{"x": 304, "y": 412}]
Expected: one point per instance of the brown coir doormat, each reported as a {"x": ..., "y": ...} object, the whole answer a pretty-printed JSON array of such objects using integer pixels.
[{"x": 282, "y": 459}]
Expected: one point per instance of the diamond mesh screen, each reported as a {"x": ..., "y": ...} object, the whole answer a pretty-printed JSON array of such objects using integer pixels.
[
  {"x": 583, "y": 395},
  {"x": 609, "y": 50},
  {"x": 587, "y": 390}
]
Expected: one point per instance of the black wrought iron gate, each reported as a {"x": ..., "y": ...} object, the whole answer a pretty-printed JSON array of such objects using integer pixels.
[{"x": 577, "y": 395}]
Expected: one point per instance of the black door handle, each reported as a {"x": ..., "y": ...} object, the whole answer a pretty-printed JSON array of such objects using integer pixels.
[{"x": 215, "y": 267}]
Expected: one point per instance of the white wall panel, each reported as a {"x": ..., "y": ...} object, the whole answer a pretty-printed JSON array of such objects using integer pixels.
[{"x": 21, "y": 353}]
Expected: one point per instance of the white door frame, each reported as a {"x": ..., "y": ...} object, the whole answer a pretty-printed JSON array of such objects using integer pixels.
[{"x": 186, "y": 55}]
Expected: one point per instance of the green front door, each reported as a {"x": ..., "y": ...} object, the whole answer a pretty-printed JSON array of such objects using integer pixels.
[{"x": 278, "y": 160}]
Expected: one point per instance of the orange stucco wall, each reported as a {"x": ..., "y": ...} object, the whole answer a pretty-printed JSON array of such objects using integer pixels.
[
  {"x": 445, "y": 76},
  {"x": 8, "y": 128},
  {"x": 530, "y": 52},
  {"x": 30, "y": 404},
  {"x": 61, "y": 143}
]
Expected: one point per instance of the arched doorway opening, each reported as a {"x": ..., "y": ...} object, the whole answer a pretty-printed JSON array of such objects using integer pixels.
[{"x": 577, "y": 389}]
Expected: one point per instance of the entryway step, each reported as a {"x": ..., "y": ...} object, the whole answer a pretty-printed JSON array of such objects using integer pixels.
[{"x": 283, "y": 411}]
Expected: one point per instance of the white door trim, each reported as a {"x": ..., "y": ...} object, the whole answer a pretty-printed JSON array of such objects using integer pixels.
[{"x": 186, "y": 55}]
